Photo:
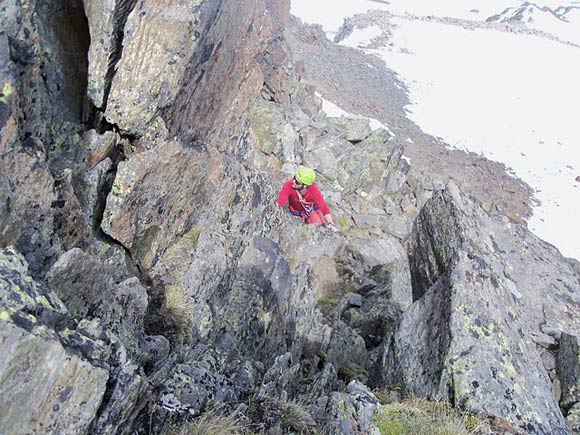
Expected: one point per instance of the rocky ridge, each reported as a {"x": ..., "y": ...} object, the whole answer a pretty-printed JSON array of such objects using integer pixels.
[{"x": 146, "y": 273}]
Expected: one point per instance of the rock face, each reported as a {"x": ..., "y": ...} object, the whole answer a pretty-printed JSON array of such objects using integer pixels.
[
  {"x": 159, "y": 40},
  {"x": 469, "y": 335}
]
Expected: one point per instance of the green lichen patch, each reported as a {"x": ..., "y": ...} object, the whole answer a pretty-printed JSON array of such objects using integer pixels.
[
  {"x": 325, "y": 301},
  {"x": 261, "y": 121},
  {"x": 7, "y": 91}
]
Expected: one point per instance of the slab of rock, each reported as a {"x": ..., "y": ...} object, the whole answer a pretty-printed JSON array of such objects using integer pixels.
[
  {"x": 352, "y": 129},
  {"x": 158, "y": 44},
  {"x": 107, "y": 20},
  {"x": 155, "y": 198}
]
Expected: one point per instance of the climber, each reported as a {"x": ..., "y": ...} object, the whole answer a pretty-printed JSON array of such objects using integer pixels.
[{"x": 305, "y": 199}]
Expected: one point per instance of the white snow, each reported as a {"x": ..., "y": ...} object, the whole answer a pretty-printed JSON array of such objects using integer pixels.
[
  {"x": 361, "y": 38},
  {"x": 511, "y": 97},
  {"x": 331, "y": 109}
]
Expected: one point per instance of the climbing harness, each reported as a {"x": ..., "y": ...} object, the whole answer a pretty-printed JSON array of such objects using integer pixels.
[{"x": 308, "y": 207}]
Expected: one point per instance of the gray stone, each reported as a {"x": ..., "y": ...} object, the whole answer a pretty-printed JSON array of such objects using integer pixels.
[
  {"x": 350, "y": 413},
  {"x": 352, "y": 129},
  {"x": 66, "y": 400},
  {"x": 158, "y": 43},
  {"x": 354, "y": 299},
  {"x": 543, "y": 340},
  {"x": 289, "y": 139},
  {"x": 548, "y": 360},
  {"x": 80, "y": 281},
  {"x": 552, "y": 332},
  {"x": 568, "y": 367},
  {"x": 346, "y": 350},
  {"x": 557, "y": 390}
]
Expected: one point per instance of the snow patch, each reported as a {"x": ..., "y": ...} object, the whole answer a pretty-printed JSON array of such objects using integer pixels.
[
  {"x": 508, "y": 96},
  {"x": 332, "y": 110}
]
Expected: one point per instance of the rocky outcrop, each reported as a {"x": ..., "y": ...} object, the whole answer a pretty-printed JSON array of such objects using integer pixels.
[
  {"x": 164, "y": 279},
  {"x": 470, "y": 334},
  {"x": 91, "y": 368}
]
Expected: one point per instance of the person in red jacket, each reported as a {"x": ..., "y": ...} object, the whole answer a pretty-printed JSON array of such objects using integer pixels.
[{"x": 305, "y": 200}]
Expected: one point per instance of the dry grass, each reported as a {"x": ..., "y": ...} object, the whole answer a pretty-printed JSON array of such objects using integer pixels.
[
  {"x": 423, "y": 417},
  {"x": 294, "y": 416},
  {"x": 178, "y": 305},
  {"x": 211, "y": 424}
]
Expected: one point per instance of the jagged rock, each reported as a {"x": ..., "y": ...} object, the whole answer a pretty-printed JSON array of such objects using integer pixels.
[
  {"x": 377, "y": 319},
  {"x": 347, "y": 352},
  {"x": 71, "y": 389},
  {"x": 353, "y": 299},
  {"x": 80, "y": 281},
  {"x": 27, "y": 189},
  {"x": 379, "y": 262},
  {"x": 350, "y": 413},
  {"x": 107, "y": 20},
  {"x": 280, "y": 378},
  {"x": 465, "y": 334},
  {"x": 192, "y": 384},
  {"x": 568, "y": 367}
]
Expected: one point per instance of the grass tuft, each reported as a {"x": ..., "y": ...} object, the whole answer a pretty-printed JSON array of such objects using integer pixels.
[
  {"x": 178, "y": 306},
  {"x": 211, "y": 424},
  {"x": 423, "y": 417},
  {"x": 351, "y": 371},
  {"x": 295, "y": 416}
]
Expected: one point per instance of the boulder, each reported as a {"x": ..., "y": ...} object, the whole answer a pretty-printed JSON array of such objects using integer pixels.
[
  {"x": 350, "y": 413},
  {"x": 79, "y": 279},
  {"x": 352, "y": 129}
]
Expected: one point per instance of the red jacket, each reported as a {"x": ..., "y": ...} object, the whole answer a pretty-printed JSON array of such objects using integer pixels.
[{"x": 313, "y": 196}]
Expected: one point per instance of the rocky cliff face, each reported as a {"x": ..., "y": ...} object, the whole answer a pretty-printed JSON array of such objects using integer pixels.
[{"x": 146, "y": 273}]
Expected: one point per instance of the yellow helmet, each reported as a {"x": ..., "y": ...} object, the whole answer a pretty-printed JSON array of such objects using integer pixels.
[{"x": 306, "y": 176}]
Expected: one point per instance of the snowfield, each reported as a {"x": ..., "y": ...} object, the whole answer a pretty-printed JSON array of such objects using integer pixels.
[{"x": 513, "y": 97}]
